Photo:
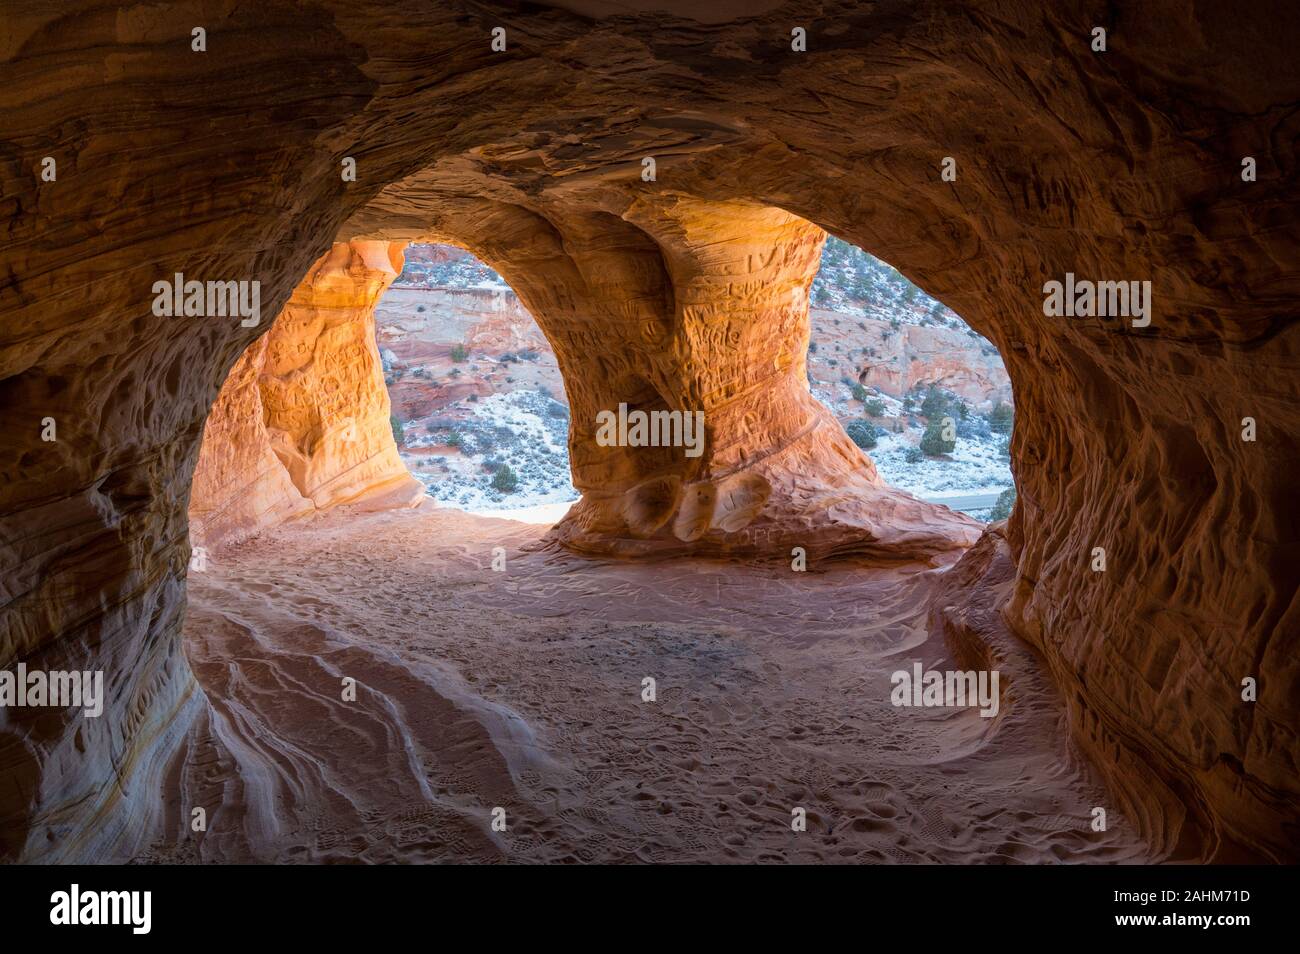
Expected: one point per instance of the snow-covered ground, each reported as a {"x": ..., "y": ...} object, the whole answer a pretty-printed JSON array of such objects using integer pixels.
[
  {"x": 855, "y": 284},
  {"x": 528, "y": 431},
  {"x": 546, "y": 514},
  {"x": 525, "y": 430},
  {"x": 974, "y": 467},
  {"x": 463, "y": 271}
]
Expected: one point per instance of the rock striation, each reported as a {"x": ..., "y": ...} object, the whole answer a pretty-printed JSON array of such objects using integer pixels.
[
  {"x": 302, "y": 422},
  {"x": 680, "y": 289}
]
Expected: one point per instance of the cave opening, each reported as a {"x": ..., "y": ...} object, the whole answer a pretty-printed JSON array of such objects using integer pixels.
[
  {"x": 481, "y": 418},
  {"x": 1164, "y": 446},
  {"x": 479, "y": 410},
  {"x": 422, "y": 416}
]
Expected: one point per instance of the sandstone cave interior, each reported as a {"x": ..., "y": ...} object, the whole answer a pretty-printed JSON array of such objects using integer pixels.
[{"x": 280, "y": 540}]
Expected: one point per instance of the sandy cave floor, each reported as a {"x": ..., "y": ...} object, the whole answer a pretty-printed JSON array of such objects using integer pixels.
[{"x": 522, "y": 689}]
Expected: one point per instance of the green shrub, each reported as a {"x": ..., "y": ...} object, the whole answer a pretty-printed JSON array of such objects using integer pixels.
[
  {"x": 935, "y": 404},
  {"x": 1001, "y": 417},
  {"x": 454, "y": 439},
  {"x": 913, "y": 455},
  {"x": 505, "y": 479},
  {"x": 458, "y": 352},
  {"x": 1002, "y": 509},
  {"x": 399, "y": 435},
  {"x": 862, "y": 433},
  {"x": 874, "y": 407},
  {"x": 932, "y": 442},
  {"x": 859, "y": 392}
]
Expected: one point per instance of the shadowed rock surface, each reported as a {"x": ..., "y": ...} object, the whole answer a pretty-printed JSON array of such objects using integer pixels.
[
  {"x": 773, "y": 691},
  {"x": 689, "y": 290}
]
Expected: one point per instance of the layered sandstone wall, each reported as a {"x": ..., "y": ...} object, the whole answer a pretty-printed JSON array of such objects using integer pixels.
[
  {"x": 302, "y": 422},
  {"x": 1122, "y": 165},
  {"x": 903, "y": 358}
]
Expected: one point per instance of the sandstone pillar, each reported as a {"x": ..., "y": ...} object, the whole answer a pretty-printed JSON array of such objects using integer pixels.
[
  {"x": 686, "y": 305},
  {"x": 302, "y": 422}
]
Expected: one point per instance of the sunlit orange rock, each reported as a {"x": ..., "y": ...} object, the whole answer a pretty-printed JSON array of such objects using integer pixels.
[
  {"x": 302, "y": 422},
  {"x": 1123, "y": 165}
]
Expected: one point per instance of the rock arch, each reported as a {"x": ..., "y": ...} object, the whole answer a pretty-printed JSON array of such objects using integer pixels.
[
  {"x": 679, "y": 303},
  {"x": 1123, "y": 165}
]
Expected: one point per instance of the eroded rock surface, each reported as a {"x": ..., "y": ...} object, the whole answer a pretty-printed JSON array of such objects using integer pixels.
[
  {"x": 764, "y": 694},
  {"x": 302, "y": 422},
  {"x": 1117, "y": 166}
]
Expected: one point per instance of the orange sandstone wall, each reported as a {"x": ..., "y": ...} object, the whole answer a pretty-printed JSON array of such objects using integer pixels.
[
  {"x": 302, "y": 422},
  {"x": 1122, "y": 165}
]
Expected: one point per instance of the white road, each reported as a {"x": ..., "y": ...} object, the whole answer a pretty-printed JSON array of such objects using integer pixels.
[{"x": 967, "y": 502}]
